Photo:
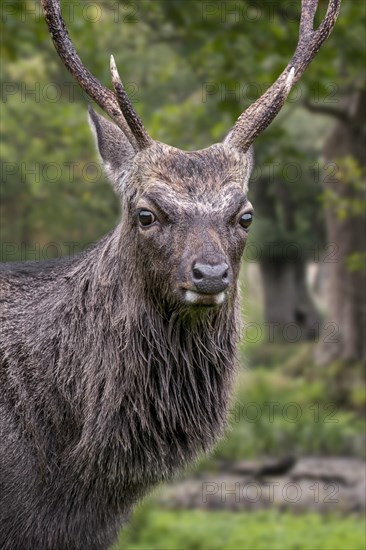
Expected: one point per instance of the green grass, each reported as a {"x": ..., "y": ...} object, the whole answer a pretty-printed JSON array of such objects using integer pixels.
[{"x": 155, "y": 529}]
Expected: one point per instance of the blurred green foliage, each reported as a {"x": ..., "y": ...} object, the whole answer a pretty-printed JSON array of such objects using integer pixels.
[
  {"x": 345, "y": 199},
  {"x": 274, "y": 412}
]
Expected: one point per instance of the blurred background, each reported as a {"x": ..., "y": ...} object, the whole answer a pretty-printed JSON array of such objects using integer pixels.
[{"x": 290, "y": 473}]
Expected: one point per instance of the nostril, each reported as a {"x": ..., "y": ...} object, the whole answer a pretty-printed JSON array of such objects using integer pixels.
[
  {"x": 197, "y": 274},
  {"x": 210, "y": 278}
]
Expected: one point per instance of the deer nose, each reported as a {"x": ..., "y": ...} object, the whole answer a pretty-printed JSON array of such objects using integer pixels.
[{"x": 210, "y": 279}]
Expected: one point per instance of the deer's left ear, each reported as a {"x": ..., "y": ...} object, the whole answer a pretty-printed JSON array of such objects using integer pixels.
[{"x": 114, "y": 149}]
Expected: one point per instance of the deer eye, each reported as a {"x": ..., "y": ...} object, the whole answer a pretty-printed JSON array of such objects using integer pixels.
[
  {"x": 246, "y": 219},
  {"x": 146, "y": 218}
]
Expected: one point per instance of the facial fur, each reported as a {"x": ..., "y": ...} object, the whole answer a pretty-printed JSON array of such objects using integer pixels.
[{"x": 196, "y": 199}]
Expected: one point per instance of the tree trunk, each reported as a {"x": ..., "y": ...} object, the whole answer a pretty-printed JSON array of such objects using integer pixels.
[
  {"x": 346, "y": 296},
  {"x": 290, "y": 315}
]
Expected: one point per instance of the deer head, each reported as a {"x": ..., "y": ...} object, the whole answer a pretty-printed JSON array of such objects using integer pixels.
[{"x": 188, "y": 212}]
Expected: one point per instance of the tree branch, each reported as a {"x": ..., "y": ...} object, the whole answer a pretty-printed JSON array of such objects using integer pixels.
[{"x": 327, "y": 110}]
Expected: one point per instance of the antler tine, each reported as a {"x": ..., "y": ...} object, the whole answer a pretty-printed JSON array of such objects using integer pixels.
[
  {"x": 104, "y": 97},
  {"x": 260, "y": 114},
  {"x": 308, "y": 10},
  {"x": 142, "y": 137}
]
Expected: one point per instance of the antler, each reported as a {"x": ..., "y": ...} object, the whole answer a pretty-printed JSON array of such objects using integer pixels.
[
  {"x": 251, "y": 122},
  {"x": 260, "y": 114},
  {"x": 118, "y": 106}
]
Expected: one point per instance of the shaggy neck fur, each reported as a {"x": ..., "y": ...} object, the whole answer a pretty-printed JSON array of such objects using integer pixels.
[{"x": 137, "y": 387}]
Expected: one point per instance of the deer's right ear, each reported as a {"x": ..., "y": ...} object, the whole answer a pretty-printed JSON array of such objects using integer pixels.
[{"x": 114, "y": 149}]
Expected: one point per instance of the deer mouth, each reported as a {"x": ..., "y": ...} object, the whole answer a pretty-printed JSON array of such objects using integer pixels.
[{"x": 193, "y": 298}]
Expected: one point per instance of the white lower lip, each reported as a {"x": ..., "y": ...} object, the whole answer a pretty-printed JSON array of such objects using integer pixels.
[{"x": 192, "y": 297}]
